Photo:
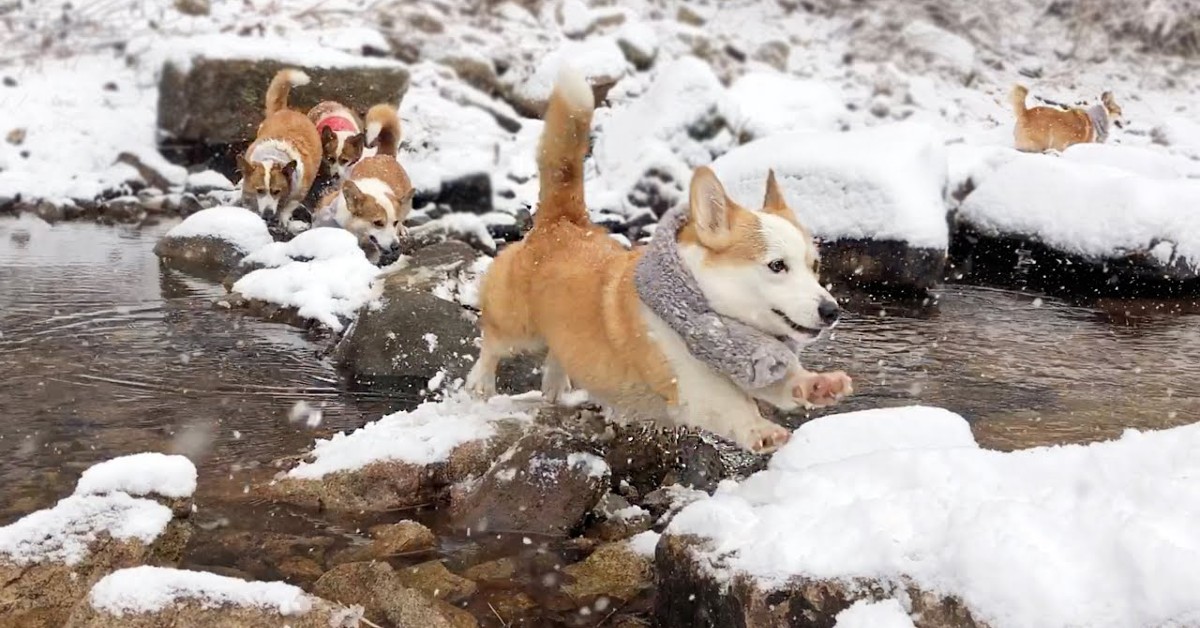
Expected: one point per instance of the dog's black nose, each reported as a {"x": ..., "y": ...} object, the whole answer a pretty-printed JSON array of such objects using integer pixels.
[
  {"x": 395, "y": 246},
  {"x": 829, "y": 312}
]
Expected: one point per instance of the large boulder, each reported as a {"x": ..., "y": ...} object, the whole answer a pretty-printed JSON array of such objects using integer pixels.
[
  {"x": 211, "y": 243},
  {"x": 546, "y": 484},
  {"x": 875, "y": 198},
  {"x": 209, "y": 96},
  {"x": 148, "y": 597},
  {"x": 1091, "y": 222}
]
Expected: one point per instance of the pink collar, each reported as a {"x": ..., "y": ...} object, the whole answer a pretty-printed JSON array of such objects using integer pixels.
[{"x": 337, "y": 123}]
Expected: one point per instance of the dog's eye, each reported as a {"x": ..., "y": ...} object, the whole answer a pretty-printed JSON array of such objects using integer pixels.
[
  {"x": 380, "y": 223},
  {"x": 777, "y": 266},
  {"x": 260, "y": 191},
  {"x": 276, "y": 192},
  {"x": 396, "y": 223}
]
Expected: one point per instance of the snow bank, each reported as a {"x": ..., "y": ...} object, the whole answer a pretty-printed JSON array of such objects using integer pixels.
[
  {"x": 74, "y": 135},
  {"x": 139, "y": 475},
  {"x": 64, "y": 533},
  {"x": 152, "y": 589},
  {"x": 322, "y": 273},
  {"x": 768, "y": 103},
  {"x": 1089, "y": 210},
  {"x": 240, "y": 227},
  {"x": 1097, "y": 535},
  {"x": 181, "y": 52},
  {"x": 884, "y": 183},
  {"x": 1145, "y": 162},
  {"x": 644, "y": 543},
  {"x": 598, "y": 59},
  {"x": 421, "y": 436},
  {"x": 883, "y": 614}
]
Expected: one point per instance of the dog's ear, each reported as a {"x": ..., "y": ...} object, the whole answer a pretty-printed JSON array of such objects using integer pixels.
[
  {"x": 243, "y": 165},
  {"x": 711, "y": 209},
  {"x": 289, "y": 169},
  {"x": 775, "y": 204},
  {"x": 352, "y": 193},
  {"x": 328, "y": 136},
  {"x": 355, "y": 142}
]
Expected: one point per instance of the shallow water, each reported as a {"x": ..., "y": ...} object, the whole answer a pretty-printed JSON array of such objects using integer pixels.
[{"x": 104, "y": 353}]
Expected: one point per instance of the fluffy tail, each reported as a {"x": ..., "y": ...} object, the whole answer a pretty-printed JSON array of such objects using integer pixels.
[
  {"x": 563, "y": 146},
  {"x": 383, "y": 129},
  {"x": 1017, "y": 97},
  {"x": 281, "y": 86}
]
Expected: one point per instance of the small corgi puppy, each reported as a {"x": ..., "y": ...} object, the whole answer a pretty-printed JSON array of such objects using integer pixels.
[
  {"x": 280, "y": 166},
  {"x": 376, "y": 198},
  {"x": 342, "y": 138},
  {"x": 569, "y": 288},
  {"x": 1039, "y": 129}
]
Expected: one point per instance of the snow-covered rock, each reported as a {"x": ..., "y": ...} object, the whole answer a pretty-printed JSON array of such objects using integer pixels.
[
  {"x": 1127, "y": 228},
  {"x": 158, "y": 596},
  {"x": 405, "y": 458},
  {"x": 768, "y": 103},
  {"x": 50, "y": 558},
  {"x": 875, "y": 197},
  {"x": 322, "y": 274},
  {"x": 882, "y": 614},
  {"x": 940, "y": 47},
  {"x": 212, "y": 242},
  {"x": 1054, "y": 536},
  {"x": 598, "y": 59}
]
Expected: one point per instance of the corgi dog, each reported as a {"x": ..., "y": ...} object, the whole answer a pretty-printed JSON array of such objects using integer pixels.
[
  {"x": 570, "y": 289},
  {"x": 342, "y": 138},
  {"x": 376, "y": 197},
  {"x": 281, "y": 164},
  {"x": 1039, "y": 129}
]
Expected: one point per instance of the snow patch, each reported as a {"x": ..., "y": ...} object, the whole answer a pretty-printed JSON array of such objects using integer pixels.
[
  {"x": 421, "y": 436},
  {"x": 644, "y": 543},
  {"x": 884, "y": 183},
  {"x": 868, "y": 614},
  {"x": 767, "y": 103},
  {"x": 594, "y": 465},
  {"x": 141, "y": 590},
  {"x": 139, "y": 475},
  {"x": 463, "y": 288},
  {"x": 182, "y": 52},
  {"x": 322, "y": 273},
  {"x": 598, "y": 59},
  {"x": 240, "y": 227},
  {"x": 62, "y": 534},
  {"x": 1052, "y": 536}
]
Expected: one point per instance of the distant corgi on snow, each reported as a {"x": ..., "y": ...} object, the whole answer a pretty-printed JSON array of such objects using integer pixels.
[
  {"x": 1039, "y": 129},
  {"x": 569, "y": 288},
  {"x": 376, "y": 197},
  {"x": 342, "y": 136},
  {"x": 280, "y": 166}
]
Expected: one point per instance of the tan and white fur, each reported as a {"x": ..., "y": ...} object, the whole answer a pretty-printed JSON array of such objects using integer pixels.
[
  {"x": 281, "y": 164},
  {"x": 376, "y": 198},
  {"x": 1041, "y": 129},
  {"x": 569, "y": 288},
  {"x": 342, "y": 136}
]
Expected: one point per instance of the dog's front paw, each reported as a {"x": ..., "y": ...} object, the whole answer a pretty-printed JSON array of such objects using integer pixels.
[
  {"x": 823, "y": 389},
  {"x": 763, "y": 437}
]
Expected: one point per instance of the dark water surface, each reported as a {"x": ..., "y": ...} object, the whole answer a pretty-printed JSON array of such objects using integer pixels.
[{"x": 104, "y": 353}]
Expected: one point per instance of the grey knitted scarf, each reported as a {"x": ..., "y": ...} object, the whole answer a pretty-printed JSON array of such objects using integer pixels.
[
  {"x": 751, "y": 358},
  {"x": 1099, "y": 117}
]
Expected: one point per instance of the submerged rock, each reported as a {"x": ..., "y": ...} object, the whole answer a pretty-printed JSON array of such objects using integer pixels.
[
  {"x": 612, "y": 571},
  {"x": 378, "y": 589},
  {"x": 435, "y": 580}
]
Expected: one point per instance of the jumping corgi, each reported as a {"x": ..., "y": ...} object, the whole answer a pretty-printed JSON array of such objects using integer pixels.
[
  {"x": 376, "y": 198},
  {"x": 342, "y": 137},
  {"x": 1039, "y": 129},
  {"x": 571, "y": 289},
  {"x": 280, "y": 166}
]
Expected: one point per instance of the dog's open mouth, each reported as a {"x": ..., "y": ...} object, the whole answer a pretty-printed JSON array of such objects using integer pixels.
[{"x": 809, "y": 331}]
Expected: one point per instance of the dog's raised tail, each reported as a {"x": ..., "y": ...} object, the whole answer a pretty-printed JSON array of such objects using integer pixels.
[
  {"x": 281, "y": 87},
  {"x": 564, "y": 144},
  {"x": 383, "y": 129},
  {"x": 1017, "y": 98}
]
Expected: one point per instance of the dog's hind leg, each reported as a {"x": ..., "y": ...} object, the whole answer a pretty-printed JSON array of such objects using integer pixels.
[
  {"x": 481, "y": 380},
  {"x": 555, "y": 382}
]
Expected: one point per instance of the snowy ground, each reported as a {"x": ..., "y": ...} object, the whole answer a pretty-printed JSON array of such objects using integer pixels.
[{"x": 1095, "y": 535}]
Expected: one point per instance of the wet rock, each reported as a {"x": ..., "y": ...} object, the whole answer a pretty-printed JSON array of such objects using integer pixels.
[
  {"x": 690, "y": 594},
  {"x": 511, "y": 606},
  {"x": 376, "y": 587},
  {"x": 647, "y": 458},
  {"x": 664, "y": 502},
  {"x": 300, "y": 570},
  {"x": 406, "y": 537},
  {"x": 154, "y": 170},
  {"x": 195, "y": 105},
  {"x": 433, "y": 579},
  {"x": 390, "y": 485},
  {"x": 614, "y": 571},
  {"x": 546, "y": 484},
  {"x": 468, "y": 193},
  {"x": 264, "y": 555},
  {"x": 499, "y": 570},
  {"x": 50, "y": 212},
  {"x": 616, "y": 519},
  {"x": 881, "y": 266},
  {"x": 123, "y": 210}
]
